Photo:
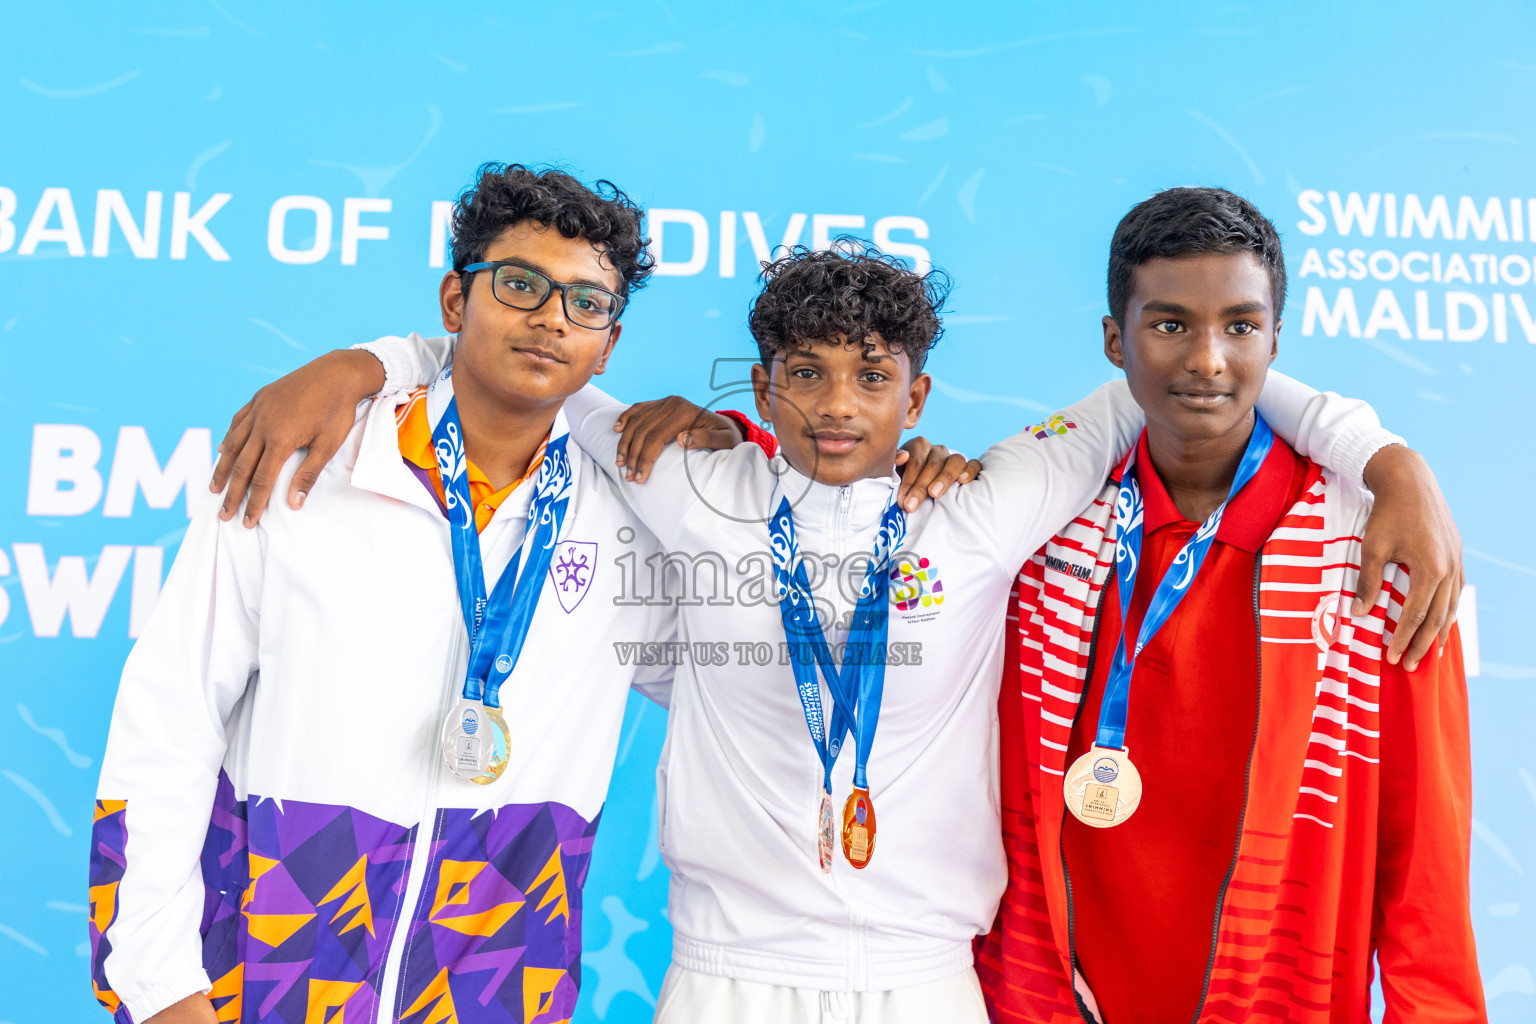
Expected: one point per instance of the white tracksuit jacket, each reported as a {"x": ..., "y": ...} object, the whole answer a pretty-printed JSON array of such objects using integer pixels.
[
  {"x": 739, "y": 781},
  {"x": 274, "y": 818}
]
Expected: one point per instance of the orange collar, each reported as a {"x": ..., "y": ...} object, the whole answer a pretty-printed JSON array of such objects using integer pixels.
[{"x": 415, "y": 435}]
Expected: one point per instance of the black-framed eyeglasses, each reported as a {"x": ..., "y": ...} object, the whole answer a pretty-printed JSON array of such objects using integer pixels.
[{"x": 521, "y": 287}]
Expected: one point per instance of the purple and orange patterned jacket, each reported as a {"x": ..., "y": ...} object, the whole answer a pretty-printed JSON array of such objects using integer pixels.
[{"x": 274, "y": 824}]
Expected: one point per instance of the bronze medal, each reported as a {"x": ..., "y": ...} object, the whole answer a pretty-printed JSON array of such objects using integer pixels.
[
  {"x": 826, "y": 834},
  {"x": 1103, "y": 787}
]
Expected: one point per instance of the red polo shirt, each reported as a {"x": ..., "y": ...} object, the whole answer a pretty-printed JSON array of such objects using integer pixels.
[{"x": 1144, "y": 893}]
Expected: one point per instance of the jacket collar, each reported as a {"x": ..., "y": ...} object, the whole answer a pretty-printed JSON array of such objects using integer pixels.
[
  {"x": 380, "y": 468},
  {"x": 817, "y": 506},
  {"x": 1250, "y": 517}
]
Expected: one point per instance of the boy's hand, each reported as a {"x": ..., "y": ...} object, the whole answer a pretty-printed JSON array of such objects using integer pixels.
[
  {"x": 1411, "y": 524},
  {"x": 314, "y": 407},
  {"x": 648, "y": 427},
  {"x": 195, "y": 1009},
  {"x": 928, "y": 469}
]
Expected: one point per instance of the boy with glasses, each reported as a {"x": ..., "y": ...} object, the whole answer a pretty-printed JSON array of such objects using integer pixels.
[{"x": 359, "y": 754}]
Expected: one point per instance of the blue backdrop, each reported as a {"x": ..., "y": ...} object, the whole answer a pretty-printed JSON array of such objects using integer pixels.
[{"x": 153, "y": 274}]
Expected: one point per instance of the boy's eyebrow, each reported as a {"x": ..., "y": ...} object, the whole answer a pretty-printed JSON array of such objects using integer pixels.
[
  {"x": 875, "y": 356},
  {"x": 1175, "y": 309},
  {"x": 1163, "y": 306}
]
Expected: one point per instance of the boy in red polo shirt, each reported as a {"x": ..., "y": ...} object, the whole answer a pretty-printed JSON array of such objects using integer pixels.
[{"x": 1298, "y": 805}]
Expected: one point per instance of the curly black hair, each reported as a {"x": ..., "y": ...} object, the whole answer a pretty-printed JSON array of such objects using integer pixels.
[
  {"x": 1191, "y": 222},
  {"x": 508, "y": 194},
  {"x": 852, "y": 290}
]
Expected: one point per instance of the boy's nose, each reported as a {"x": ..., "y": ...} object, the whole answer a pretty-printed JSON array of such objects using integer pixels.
[
  {"x": 837, "y": 401},
  {"x": 1205, "y": 357},
  {"x": 551, "y": 314}
]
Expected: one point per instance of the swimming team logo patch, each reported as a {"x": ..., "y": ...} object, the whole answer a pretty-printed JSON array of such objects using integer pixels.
[
  {"x": 1056, "y": 426},
  {"x": 571, "y": 571},
  {"x": 915, "y": 585},
  {"x": 1066, "y": 568}
]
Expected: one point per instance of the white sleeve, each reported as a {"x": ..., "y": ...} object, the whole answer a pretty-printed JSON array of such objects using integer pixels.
[
  {"x": 1034, "y": 482},
  {"x": 655, "y": 681},
  {"x": 678, "y": 478},
  {"x": 193, "y": 663},
  {"x": 1337, "y": 433},
  {"x": 411, "y": 361}
]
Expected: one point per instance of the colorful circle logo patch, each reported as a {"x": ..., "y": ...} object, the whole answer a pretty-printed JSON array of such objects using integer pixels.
[{"x": 915, "y": 585}]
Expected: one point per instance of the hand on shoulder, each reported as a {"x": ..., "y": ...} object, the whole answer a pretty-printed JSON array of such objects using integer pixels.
[
  {"x": 1411, "y": 524},
  {"x": 928, "y": 470},
  {"x": 313, "y": 407}
]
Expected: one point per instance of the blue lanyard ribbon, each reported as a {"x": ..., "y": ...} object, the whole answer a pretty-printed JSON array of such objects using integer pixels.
[
  {"x": 857, "y": 687},
  {"x": 1171, "y": 588},
  {"x": 497, "y": 623}
]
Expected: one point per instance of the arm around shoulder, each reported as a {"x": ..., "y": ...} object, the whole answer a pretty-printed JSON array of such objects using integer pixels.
[
  {"x": 411, "y": 361},
  {"x": 1034, "y": 482},
  {"x": 677, "y": 480},
  {"x": 1338, "y": 433}
]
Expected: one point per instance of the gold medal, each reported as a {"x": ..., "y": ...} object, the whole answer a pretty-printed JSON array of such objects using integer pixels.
[
  {"x": 826, "y": 834},
  {"x": 501, "y": 749},
  {"x": 859, "y": 828},
  {"x": 1103, "y": 787}
]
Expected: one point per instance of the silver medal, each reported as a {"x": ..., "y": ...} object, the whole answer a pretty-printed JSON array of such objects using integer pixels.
[{"x": 475, "y": 741}]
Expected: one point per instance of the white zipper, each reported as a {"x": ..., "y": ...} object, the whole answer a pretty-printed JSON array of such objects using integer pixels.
[
  {"x": 859, "y": 968},
  {"x": 839, "y": 545},
  {"x": 426, "y": 838},
  {"x": 421, "y": 850}
]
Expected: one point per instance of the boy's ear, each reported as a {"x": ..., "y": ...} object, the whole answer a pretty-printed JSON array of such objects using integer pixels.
[
  {"x": 450, "y": 295},
  {"x": 613, "y": 339},
  {"x": 1274, "y": 344},
  {"x": 922, "y": 385},
  {"x": 1114, "y": 342},
  {"x": 760, "y": 382}
]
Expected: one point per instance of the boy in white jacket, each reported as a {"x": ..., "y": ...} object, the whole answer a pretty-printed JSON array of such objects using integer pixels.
[{"x": 277, "y": 836}]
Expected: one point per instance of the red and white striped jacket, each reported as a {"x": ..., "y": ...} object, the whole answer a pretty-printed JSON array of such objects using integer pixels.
[{"x": 1354, "y": 838}]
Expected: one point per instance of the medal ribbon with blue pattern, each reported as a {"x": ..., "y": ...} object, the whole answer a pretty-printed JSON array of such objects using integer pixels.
[
  {"x": 856, "y": 687},
  {"x": 1174, "y": 584},
  {"x": 497, "y": 623}
]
